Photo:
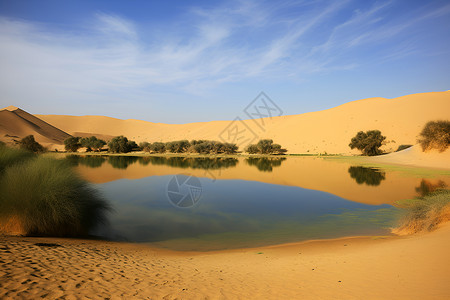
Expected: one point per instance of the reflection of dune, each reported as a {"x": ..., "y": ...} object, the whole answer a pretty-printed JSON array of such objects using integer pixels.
[
  {"x": 400, "y": 119},
  {"x": 306, "y": 172}
]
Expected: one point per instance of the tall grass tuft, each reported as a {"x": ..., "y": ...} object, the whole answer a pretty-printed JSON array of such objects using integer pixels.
[
  {"x": 424, "y": 213},
  {"x": 45, "y": 197},
  {"x": 10, "y": 156}
]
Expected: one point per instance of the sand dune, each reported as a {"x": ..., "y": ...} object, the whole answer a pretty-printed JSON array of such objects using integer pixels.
[
  {"x": 16, "y": 123},
  {"x": 414, "y": 156},
  {"x": 349, "y": 268},
  {"x": 400, "y": 120}
]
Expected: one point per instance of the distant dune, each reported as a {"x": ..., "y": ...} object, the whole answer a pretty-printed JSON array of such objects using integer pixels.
[
  {"x": 399, "y": 119},
  {"x": 16, "y": 124}
]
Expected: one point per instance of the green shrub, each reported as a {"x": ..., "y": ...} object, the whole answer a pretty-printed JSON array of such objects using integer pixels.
[
  {"x": 10, "y": 156},
  {"x": 403, "y": 147},
  {"x": 265, "y": 146},
  {"x": 435, "y": 135},
  {"x": 28, "y": 143},
  {"x": 368, "y": 142},
  {"x": 72, "y": 143},
  {"x": 178, "y": 146},
  {"x": 92, "y": 143},
  {"x": 158, "y": 147},
  {"x": 121, "y": 144},
  {"x": 145, "y": 146},
  {"x": 48, "y": 198}
]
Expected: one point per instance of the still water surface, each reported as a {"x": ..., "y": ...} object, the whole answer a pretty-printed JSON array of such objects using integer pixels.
[{"x": 220, "y": 203}]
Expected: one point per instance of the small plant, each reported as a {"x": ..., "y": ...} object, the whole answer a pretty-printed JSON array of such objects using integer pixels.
[
  {"x": 435, "y": 135},
  {"x": 29, "y": 143},
  {"x": 368, "y": 142},
  {"x": 403, "y": 147}
]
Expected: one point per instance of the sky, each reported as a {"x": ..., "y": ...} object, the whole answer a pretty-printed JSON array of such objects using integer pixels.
[{"x": 195, "y": 61}]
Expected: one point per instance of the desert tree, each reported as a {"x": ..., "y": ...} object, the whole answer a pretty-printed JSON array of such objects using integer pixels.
[
  {"x": 435, "y": 135},
  {"x": 368, "y": 142},
  {"x": 30, "y": 144}
]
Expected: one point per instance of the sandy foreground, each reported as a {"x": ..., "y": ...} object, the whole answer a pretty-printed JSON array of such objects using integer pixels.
[{"x": 412, "y": 267}]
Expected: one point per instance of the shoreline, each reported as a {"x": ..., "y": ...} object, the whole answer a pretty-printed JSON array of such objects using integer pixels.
[{"x": 400, "y": 267}]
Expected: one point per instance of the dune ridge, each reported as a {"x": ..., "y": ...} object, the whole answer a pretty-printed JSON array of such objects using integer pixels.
[
  {"x": 16, "y": 123},
  {"x": 399, "y": 119}
]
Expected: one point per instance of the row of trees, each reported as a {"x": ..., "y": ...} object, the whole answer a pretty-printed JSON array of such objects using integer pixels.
[
  {"x": 194, "y": 146},
  {"x": 92, "y": 143}
]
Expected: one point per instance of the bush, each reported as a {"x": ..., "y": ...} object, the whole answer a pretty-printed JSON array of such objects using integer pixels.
[
  {"x": 92, "y": 143},
  {"x": 368, "y": 142},
  {"x": 425, "y": 213},
  {"x": 28, "y": 143},
  {"x": 9, "y": 156},
  {"x": 46, "y": 197},
  {"x": 158, "y": 147},
  {"x": 403, "y": 147},
  {"x": 265, "y": 147},
  {"x": 121, "y": 144},
  {"x": 72, "y": 143},
  {"x": 435, "y": 135},
  {"x": 145, "y": 146},
  {"x": 178, "y": 146}
]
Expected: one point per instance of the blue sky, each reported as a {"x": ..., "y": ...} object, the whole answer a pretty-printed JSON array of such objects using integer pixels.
[{"x": 187, "y": 61}]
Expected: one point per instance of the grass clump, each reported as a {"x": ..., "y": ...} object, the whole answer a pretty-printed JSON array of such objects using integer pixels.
[
  {"x": 424, "y": 213},
  {"x": 10, "y": 156},
  {"x": 45, "y": 197}
]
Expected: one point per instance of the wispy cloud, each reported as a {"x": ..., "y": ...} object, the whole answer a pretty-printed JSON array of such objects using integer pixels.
[{"x": 223, "y": 44}]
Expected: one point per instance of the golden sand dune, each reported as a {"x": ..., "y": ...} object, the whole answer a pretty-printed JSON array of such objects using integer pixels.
[
  {"x": 399, "y": 119},
  {"x": 16, "y": 123},
  {"x": 350, "y": 268},
  {"x": 414, "y": 156}
]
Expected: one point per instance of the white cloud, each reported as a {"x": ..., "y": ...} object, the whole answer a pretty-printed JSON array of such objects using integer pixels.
[{"x": 230, "y": 43}]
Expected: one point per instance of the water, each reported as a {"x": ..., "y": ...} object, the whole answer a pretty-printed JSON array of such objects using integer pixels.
[{"x": 220, "y": 203}]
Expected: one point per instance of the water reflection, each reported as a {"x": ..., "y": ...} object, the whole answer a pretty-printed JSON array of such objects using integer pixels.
[
  {"x": 369, "y": 176},
  {"x": 265, "y": 164},
  {"x": 88, "y": 161},
  {"x": 426, "y": 187},
  {"x": 122, "y": 162},
  {"x": 204, "y": 163}
]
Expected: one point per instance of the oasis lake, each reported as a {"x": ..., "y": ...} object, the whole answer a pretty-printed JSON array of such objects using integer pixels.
[{"x": 214, "y": 203}]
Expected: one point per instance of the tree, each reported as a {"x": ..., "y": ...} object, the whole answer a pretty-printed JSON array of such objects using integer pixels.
[
  {"x": 158, "y": 147},
  {"x": 265, "y": 147},
  {"x": 28, "y": 143},
  {"x": 72, "y": 143},
  {"x": 121, "y": 144},
  {"x": 145, "y": 146},
  {"x": 178, "y": 146},
  {"x": 92, "y": 143},
  {"x": 368, "y": 142},
  {"x": 435, "y": 135}
]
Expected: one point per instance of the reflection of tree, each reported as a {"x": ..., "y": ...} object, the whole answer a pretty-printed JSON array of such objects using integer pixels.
[
  {"x": 265, "y": 164},
  {"x": 426, "y": 187},
  {"x": 369, "y": 176},
  {"x": 92, "y": 161},
  {"x": 122, "y": 162},
  {"x": 204, "y": 163}
]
